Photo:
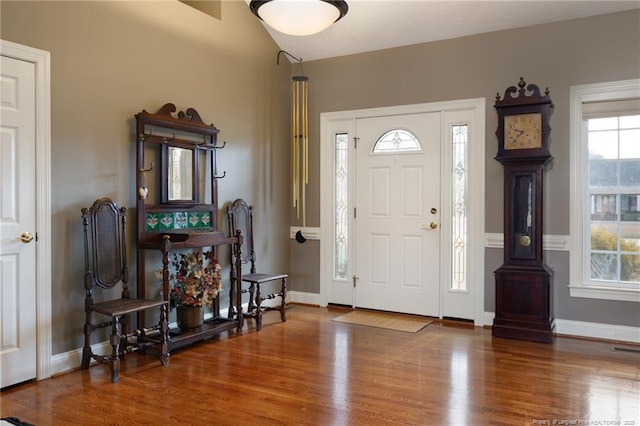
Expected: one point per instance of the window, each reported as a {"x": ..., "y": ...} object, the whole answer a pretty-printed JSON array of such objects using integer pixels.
[
  {"x": 397, "y": 140},
  {"x": 459, "y": 208},
  {"x": 605, "y": 191},
  {"x": 341, "y": 205}
]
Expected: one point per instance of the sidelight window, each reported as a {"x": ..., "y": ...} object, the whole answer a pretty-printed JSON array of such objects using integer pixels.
[
  {"x": 459, "y": 208},
  {"x": 341, "y": 205}
]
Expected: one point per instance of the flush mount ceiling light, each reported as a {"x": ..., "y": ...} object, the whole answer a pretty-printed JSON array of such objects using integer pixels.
[{"x": 299, "y": 17}]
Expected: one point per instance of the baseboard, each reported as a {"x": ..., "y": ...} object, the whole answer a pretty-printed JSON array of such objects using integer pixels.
[
  {"x": 592, "y": 330},
  {"x": 303, "y": 298},
  {"x": 598, "y": 331}
]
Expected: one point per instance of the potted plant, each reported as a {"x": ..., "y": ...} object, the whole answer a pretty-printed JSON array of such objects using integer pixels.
[{"x": 195, "y": 283}]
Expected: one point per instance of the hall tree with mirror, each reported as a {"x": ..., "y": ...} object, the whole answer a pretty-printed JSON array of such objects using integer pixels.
[{"x": 177, "y": 207}]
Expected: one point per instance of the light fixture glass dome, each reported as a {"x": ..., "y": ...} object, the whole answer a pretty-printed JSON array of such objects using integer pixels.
[{"x": 299, "y": 17}]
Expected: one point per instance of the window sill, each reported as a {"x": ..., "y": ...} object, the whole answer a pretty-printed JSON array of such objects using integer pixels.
[{"x": 605, "y": 293}]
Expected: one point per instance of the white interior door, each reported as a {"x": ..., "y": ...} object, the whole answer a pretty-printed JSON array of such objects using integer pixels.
[
  {"x": 397, "y": 224},
  {"x": 17, "y": 217}
]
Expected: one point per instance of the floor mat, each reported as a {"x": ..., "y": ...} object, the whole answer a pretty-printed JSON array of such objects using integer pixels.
[{"x": 388, "y": 320}]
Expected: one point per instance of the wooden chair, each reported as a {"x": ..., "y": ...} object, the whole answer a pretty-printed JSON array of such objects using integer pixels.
[
  {"x": 240, "y": 217},
  {"x": 106, "y": 267}
]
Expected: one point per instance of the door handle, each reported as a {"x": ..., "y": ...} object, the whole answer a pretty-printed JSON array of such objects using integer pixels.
[
  {"x": 431, "y": 226},
  {"x": 26, "y": 237}
]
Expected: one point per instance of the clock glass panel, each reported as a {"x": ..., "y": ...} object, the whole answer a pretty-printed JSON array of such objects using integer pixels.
[
  {"x": 523, "y": 131},
  {"x": 523, "y": 219}
]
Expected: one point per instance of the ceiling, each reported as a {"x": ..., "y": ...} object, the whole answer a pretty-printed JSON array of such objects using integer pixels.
[{"x": 380, "y": 24}]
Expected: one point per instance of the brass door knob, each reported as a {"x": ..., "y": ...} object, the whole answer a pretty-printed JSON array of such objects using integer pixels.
[
  {"x": 433, "y": 225},
  {"x": 26, "y": 237}
]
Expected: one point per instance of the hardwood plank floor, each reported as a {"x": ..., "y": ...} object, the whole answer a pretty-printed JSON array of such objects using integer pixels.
[{"x": 312, "y": 371}]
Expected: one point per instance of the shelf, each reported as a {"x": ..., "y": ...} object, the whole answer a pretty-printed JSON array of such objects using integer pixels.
[
  {"x": 179, "y": 338},
  {"x": 174, "y": 241},
  {"x": 211, "y": 327}
]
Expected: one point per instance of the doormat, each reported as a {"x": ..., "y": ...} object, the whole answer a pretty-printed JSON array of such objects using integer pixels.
[{"x": 390, "y": 321}]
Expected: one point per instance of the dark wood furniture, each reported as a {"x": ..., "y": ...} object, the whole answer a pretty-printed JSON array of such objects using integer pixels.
[
  {"x": 179, "y": 209},
  {"x": 523, "y": 282},
  {"x": 105, "y": 257},
  {"x": 240, "y": 219}
]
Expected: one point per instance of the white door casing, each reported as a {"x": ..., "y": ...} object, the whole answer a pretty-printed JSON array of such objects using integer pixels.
[
  {"x": 26, "y": 207},
  {"x": 472, "y": 112},
  {"x": 397, "y": 252}
]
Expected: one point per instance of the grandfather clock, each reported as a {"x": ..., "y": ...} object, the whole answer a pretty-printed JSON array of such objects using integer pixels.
[{"x": 523, "y": 282}]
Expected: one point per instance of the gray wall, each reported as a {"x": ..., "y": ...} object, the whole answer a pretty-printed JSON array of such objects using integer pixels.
[
  {"x": 109, "y": 61},
  {"x": 557, "y": 56}
]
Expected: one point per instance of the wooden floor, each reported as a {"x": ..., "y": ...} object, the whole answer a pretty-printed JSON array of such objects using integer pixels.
[{"x": 312, "y": 371}]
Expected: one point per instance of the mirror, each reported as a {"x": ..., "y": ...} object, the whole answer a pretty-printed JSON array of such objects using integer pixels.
[
  {"x": 180, "y": 174},
  {"x": 178, "y": 171}
]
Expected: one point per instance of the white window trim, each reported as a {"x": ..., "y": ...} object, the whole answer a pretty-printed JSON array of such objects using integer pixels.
[{"x": 579, "y": 95}]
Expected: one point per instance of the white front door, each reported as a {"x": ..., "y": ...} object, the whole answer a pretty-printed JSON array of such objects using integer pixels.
[
  {"x": 377, "y": 245},
  {"x": 397, "y": 220},
  {"x": 17, "y": 222}
]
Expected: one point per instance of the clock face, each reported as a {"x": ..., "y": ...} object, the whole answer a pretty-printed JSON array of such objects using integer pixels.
[{"x": 523, "y": 131}]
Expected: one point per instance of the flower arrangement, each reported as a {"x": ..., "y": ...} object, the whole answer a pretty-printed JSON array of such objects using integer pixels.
[{"x": 196, "y": 279}]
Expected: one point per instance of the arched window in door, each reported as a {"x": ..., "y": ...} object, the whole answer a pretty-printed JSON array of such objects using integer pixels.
[{"x": 397, "y": 141}]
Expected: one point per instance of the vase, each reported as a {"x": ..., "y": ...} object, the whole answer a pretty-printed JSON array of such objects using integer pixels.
[{"x": 189, "y": 317}]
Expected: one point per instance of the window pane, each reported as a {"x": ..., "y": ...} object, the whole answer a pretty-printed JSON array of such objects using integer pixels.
[
  {"x": 603, "y": 173},
  {"x": 630, "y": 121},
  {"x": 604, "y": 266},
  {"x": 603, "y": 123},
  {"x": 603, "y": 207},
  {"x": 630, "y": 143},
  {"x": 459, "y": 207},
  {"x": 630, "y": 244},
  {"x": 341, "y": 205},
  {"x": 604, "y": 237},
  {"x": 603, "y": 145},
  {"x": 630, "y": 208},
  {"x": 630, "y": 267},
  {"x": 630, "y": 173},
  {"x": 397, "y": 140}
]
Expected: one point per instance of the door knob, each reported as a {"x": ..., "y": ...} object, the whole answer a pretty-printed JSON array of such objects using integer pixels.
[
  {"x": 433, "y": 225},
  {"x": 26, "y": 237}
]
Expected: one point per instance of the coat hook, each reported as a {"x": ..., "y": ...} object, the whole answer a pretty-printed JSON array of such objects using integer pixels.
[
  {"x": 145, "y": 135},
  {"x": 165, "y": 140},
  {"x": 224, "y": 143},
  {"x": 147, "y": 170}
]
